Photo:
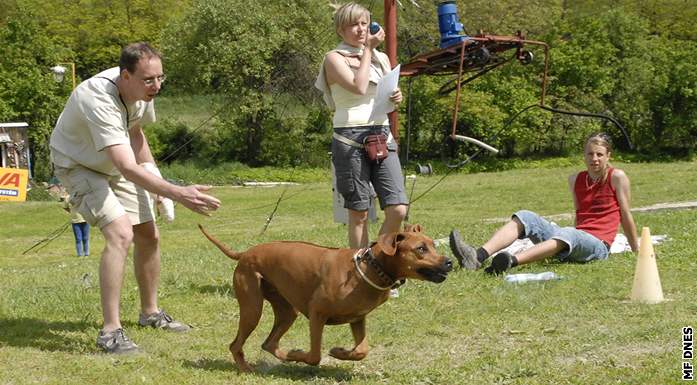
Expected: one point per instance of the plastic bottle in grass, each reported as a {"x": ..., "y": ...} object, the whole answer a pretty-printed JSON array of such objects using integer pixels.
[{"x": 531, "y": 277}]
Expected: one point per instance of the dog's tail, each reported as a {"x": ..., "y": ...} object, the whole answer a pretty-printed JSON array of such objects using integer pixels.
[{"x": 233, "y": 255}]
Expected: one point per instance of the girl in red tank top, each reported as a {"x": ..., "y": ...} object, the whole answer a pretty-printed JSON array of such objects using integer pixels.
[
  {"x": 598, "y": 211},
  {"x": 601, "y": 197}
]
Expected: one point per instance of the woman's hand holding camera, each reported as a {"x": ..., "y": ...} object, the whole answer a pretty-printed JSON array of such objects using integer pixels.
[{"x": 374, "y": 40}]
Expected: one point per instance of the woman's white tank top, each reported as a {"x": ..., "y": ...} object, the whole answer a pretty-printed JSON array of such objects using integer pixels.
[{"x": 354, "y": 110}]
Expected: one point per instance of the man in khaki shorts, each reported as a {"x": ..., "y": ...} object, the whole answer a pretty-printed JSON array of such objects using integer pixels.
[{"x": 102, "y": 157}]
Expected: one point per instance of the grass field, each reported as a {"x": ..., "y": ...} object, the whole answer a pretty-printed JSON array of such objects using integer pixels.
[{"x": 471, "y": 329}]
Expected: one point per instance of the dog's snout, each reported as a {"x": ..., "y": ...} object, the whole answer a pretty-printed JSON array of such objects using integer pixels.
[{"x": 448, "y": 263}]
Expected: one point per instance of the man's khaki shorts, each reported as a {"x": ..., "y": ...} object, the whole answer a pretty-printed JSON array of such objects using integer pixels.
[{"x": 102, "y": 198}]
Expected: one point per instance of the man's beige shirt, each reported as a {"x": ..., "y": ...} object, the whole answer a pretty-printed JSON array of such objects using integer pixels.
[{"x": 95, "y": 118}]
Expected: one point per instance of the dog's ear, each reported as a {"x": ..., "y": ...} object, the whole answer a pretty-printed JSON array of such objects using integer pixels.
[
  {"x": 415, "y": 228},
  {"x": 388, "y": 242}
]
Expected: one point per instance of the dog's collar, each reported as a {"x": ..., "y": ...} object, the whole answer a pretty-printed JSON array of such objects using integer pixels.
[{"x": 367, "y": 256}]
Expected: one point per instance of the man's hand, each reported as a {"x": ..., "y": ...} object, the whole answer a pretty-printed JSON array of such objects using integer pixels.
[
  {"x": 195, "y": 200},
  {"x": 190, "y": 196}
]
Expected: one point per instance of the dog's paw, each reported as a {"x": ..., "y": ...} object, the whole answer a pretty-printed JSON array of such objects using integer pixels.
[
  {"x": 348, "y": 355},
  {"x": 242, "y": 365},
  {"x": 339, "y": 353},
  {"x": 246, "y": 368},
  {"x": 297, "y": 355},
  {"x": 310, "y": 358}
]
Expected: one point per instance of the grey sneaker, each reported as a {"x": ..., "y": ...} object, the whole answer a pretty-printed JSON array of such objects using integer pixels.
[
  {"x": 162, "y": 320},
  {"x": 500, "y": 263},
  {"x": 116, "y": 342},
  {"x": 466, "y": 255}
]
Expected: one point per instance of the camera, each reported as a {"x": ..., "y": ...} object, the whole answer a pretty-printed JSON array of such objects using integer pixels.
[{"x": 374, "y": 28}]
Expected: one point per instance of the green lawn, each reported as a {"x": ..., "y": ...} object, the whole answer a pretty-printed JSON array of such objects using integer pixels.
[{"x": 471, "y": 329}]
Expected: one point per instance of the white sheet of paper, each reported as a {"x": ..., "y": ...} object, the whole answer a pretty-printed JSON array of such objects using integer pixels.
[{"x": 385, "y": 88}]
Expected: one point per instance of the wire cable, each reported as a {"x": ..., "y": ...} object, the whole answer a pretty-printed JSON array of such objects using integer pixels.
[{"x": 456, "y": 166}]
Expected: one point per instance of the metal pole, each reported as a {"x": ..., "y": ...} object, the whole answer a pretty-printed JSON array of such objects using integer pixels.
[
  {"x": 72, "y": 66},
  {"x": 391, "y": 48},
  {"x": 72, "y": 72}
]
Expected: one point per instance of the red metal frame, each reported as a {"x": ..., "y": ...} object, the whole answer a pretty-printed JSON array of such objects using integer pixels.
[{"x": 468, "y": 57}]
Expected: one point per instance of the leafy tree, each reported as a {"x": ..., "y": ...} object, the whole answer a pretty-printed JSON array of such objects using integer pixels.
[
  {"x": 27, "y": 91},
  {"x": 94, "y": 31},
  {"x": 627, "y": 59},
  {"x": 254, "y": 58}
]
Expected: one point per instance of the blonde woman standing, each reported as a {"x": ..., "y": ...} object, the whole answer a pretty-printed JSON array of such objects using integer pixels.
[{"x": 348, "y": 79}]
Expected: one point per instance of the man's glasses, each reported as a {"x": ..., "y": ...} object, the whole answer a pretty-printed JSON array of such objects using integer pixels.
[{"x": 149, "y": 82}]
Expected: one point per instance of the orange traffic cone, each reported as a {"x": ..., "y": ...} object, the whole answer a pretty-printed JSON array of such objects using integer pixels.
[{"x": 647, "y": 283}]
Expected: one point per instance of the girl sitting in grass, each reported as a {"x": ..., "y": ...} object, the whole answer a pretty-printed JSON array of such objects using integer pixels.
[{"x": 601, "y": 197}]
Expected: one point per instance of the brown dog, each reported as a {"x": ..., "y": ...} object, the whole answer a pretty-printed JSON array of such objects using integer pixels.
[{"x": 328, "y": 285}]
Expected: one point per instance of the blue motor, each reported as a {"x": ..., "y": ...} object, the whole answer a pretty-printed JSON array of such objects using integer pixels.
[{"x": 449, "y": 25}]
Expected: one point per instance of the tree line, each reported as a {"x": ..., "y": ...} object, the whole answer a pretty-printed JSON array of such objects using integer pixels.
[{"x": 633, "y": 61}]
